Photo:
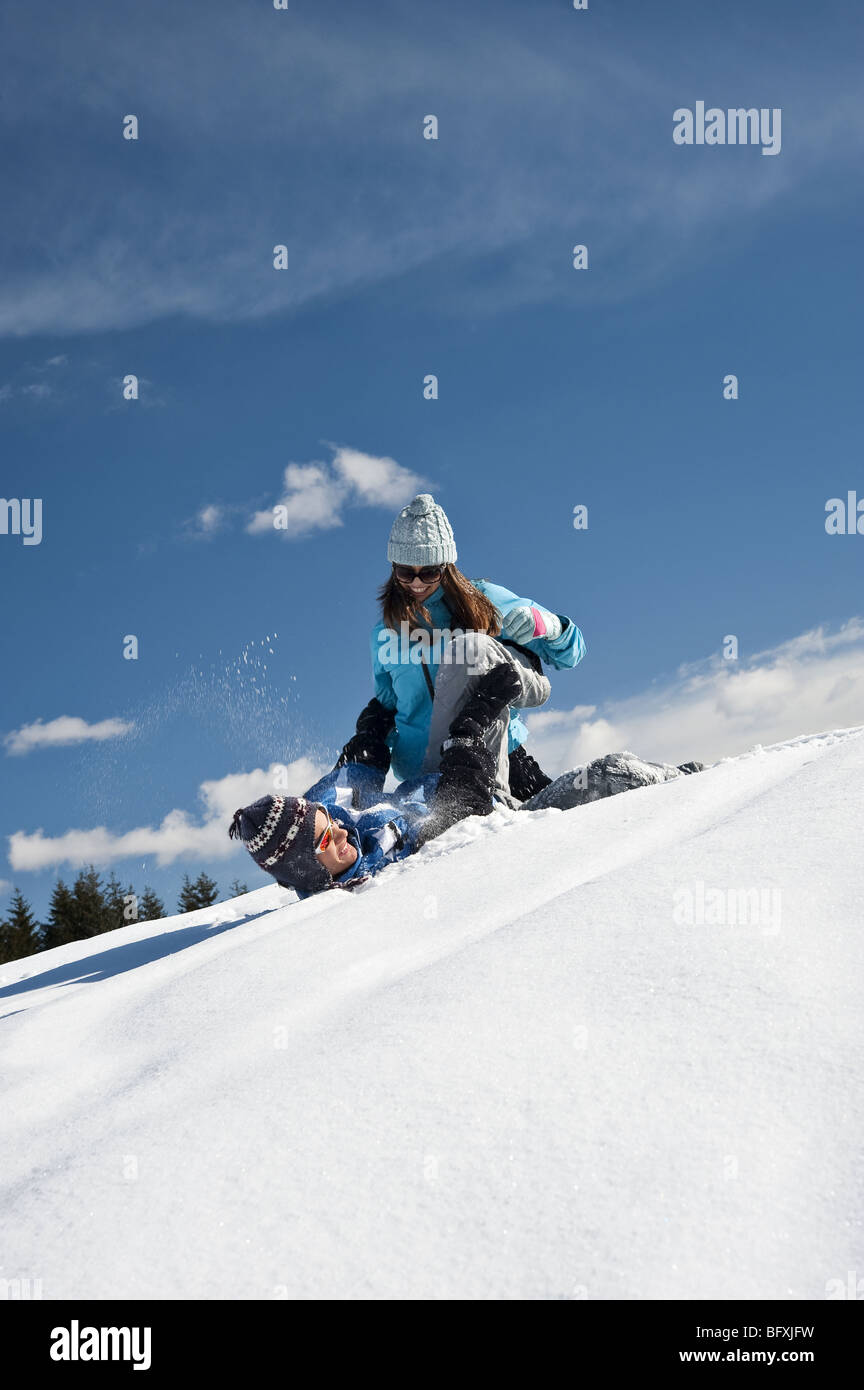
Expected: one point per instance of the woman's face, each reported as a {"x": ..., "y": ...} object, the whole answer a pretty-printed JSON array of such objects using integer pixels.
[
  {"x": 418, "y": 588},
  {"x": 340, "y": 854}
]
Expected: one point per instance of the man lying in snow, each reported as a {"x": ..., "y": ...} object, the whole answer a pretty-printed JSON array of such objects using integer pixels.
[
  {"x": 343, "y": 830},
  {"x": 338, "y": 834}
]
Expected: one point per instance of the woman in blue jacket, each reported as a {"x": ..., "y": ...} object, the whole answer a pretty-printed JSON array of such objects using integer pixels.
[{"x": 424, "y": 600}]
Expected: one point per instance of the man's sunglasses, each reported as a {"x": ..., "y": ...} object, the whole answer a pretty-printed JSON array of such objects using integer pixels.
[
  {"x": 429, "y": 572},
  {"x": 325, "y": 839}
]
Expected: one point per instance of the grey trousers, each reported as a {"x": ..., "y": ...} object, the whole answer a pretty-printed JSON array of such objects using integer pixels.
[
  {"x": 463, "y": 661},
  {"x": 616, "y": 772}
]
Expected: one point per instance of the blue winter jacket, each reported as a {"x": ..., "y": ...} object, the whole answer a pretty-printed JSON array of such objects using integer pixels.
[
  {"x": 382, "y": 831},
  {"x": 401, "y": 685}
]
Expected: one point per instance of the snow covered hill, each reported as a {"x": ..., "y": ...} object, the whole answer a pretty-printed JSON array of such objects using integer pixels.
[{"x": 552, "y": 1056}]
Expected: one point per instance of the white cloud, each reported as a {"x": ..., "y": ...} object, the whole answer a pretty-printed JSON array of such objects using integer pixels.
[
  {"x": 177, "y": 835},
  {"x": 4, "y": 885},
  {"x": 36, "y": 390},
  {"x": 547, "y": 719},
  {"x": 223, "y": 797},
  {"x": 62, "y": 731},
  {"x": 715, "y": 708},
  {"x": 50, "y": 363},
  {"x": 377, "y": 482},
  {"x": 211, "y": 519},
  {"x": 309, "y": 502},
  {"x": 207, "y": 521},
  {"x": 315, "y": 494}
]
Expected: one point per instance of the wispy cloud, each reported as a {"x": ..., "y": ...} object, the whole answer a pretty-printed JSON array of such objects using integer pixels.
[
  {"x": 49, "y": 364},
  {"x": 314, "y": 495},
  {"x": 150, "y": 396},
  {"x": 210, "y": 519},
  {"x": 177, "y": 835},
  {"x": 66, "y": 729},
  {"x": 536, "y": 142},
  {"x": 35, "y": 390},
  {"x": 207, "y": 522},
  {"x": 717, "y": 708}
]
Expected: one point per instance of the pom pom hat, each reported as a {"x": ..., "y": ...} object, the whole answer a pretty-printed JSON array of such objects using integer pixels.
[
  {"x": 279, "y": 833},
  {"x": 421, "y": 535}
]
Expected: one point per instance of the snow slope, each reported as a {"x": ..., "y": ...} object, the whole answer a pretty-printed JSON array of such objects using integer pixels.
[{"x": 501, "y": 1071}]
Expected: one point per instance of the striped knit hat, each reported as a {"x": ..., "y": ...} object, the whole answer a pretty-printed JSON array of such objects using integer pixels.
[
  {"x": 279, "y": 833},
  {"x": 421, "y": 534}
]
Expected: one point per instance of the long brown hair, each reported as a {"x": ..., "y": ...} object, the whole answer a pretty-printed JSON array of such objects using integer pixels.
[{"x": 470, "y": 609}]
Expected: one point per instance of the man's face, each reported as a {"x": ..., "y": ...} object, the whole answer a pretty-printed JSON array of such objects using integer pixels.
[{"x": 340, "y": 854}]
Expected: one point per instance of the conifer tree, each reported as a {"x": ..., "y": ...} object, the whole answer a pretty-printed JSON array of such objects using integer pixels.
[
  {"x": 206, "y": 889},
  {"x": 237, "y": 889},
  {"x": 61, "y": 924},
  {"x": 150, "y": 908},
  {"x": 122, "y": 908},
  {"x": 114, "y": 904},
  {"x": 89, "y": 904},
  {"x": 202, "y": 893},
  {"x": 188, "y": 899},
  {"x": 19, "y": 931}
]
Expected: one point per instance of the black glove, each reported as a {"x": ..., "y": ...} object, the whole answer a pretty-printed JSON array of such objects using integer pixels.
[
  {"x": 489, "y": 696},
  {"x": 526, "y": 775},
  {"x": 369, "y": 744},
  {"x": 464, "y": 788}
]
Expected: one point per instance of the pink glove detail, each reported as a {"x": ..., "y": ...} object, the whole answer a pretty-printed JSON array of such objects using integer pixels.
[{"x": 539, "y": 625}]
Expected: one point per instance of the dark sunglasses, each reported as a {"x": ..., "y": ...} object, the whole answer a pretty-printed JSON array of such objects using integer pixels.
[{"x": 428, "y": 572}]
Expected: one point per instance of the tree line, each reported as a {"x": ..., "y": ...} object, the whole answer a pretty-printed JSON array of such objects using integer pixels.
[{"x": 89, "y": 907}]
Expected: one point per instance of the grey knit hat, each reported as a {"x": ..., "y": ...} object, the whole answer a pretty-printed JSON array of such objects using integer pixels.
[{"x": 421, "y": 534}]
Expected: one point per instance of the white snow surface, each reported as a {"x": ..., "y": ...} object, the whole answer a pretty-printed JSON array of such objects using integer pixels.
[{"x": 500, "y": 1071}]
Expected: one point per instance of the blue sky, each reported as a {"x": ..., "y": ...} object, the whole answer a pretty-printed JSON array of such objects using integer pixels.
[{"x": 406, "y": 256}]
